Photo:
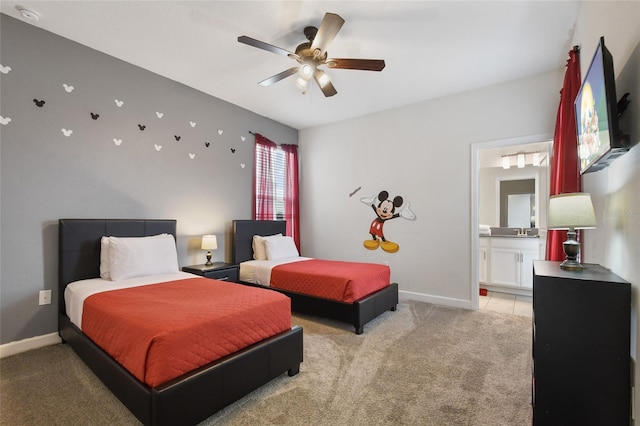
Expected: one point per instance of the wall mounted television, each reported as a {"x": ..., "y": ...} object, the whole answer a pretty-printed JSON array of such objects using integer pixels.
[{"x": 600, "y": 140}]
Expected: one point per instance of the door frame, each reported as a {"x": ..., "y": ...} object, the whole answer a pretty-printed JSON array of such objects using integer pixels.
[{"x": 475, "y": 199}]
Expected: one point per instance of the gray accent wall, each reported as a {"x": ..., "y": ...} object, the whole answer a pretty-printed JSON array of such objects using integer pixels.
[{"x": 59, "y": 162}]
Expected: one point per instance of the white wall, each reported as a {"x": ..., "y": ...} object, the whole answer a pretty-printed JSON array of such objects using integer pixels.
[
  {"x": 615, "y": 191},
  {"x": 423, "y": 153}
]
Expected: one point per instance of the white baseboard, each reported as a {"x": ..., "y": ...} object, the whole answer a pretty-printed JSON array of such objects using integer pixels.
[
  {"x": 436, "y": 300},
  {"x": 13, "y": 348}
]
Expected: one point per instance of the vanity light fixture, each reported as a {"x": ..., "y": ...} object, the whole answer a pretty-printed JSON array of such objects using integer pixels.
[
  {"x": 506, "y": 163},
  {"x": 521, "y": 159},
  {"x": 536, "y": 159}
]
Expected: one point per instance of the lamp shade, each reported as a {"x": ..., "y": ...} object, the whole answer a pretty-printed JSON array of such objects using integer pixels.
[
  {"x": 209, "y": 242},
  {"x": 571, "y": 211}
]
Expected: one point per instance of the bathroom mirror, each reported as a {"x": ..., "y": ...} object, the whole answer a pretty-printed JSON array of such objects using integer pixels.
[{"x": 518, "y": 203}]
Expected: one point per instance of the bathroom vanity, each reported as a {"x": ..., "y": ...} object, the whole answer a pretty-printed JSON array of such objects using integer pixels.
[{"x": 506, "y": 262}]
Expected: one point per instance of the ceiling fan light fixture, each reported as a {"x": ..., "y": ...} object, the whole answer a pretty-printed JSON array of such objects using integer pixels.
[
  {"x": 306, "y": 71},
  {"x": 301, "y": 83},
  {"x": 313, "y": 54}
]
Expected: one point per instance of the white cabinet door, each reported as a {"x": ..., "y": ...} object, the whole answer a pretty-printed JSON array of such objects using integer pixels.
[
  {"x": 505, "y": 266},
  {"x": 482, "y": 265},
  {"x": 526, "y": 267}
]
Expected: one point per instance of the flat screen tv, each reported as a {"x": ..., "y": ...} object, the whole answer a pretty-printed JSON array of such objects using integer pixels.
[{"x": 600, "y": 140}]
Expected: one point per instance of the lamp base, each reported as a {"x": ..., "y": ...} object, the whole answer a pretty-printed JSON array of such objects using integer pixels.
[
  {"x": 209, "y": 263},
  {"x": 571, "y": 265},
  {"x": 571, "y": 249}
]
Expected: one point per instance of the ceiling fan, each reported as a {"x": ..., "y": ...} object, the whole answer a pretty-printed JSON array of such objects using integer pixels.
[{"x": 313, "y": 54}]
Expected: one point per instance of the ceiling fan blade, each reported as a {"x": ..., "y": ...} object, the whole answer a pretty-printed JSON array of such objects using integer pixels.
[
  {"x": 324, "y": 83},
  {"x": 266, "y": 46},
  {"x": 280, "y": 76},
  {"x": 356, "y": 64},
  {"x": 331, "y": 24},
  {"x": 328, "y": 89}
]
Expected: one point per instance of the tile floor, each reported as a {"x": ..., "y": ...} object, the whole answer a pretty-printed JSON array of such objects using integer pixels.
[{"x": 507, "y": 303}]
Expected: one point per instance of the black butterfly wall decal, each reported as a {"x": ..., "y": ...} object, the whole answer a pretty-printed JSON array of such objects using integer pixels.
[
  {"x": 142, "y": 127},
  {"x": 177, "y": 137},
  {"x": 207, "y": 144},
  {"x": 39, "y": 103},
  {"x": 95, "y": 116}
]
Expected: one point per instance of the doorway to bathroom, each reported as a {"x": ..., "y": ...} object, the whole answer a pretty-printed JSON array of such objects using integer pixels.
[{"x": 509, "y": 178}]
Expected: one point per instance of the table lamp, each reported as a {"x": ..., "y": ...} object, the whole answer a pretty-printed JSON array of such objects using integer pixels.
[
  {"x": 209, "y": 242},
  {"x": 571, "y": 211}
]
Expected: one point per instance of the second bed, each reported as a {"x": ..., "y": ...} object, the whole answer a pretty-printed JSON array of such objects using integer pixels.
[{"x": 346, "y": 291}]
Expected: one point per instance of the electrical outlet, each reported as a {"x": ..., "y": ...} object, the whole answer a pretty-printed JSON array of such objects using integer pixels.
[{"x": 44, "y": 297}]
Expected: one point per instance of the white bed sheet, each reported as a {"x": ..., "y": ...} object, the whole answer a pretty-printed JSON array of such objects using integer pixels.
[
  {"x": 259, "y": 271},
  {"x": 77, "y": 291}
]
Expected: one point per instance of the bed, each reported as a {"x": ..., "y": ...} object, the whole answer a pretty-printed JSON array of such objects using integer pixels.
[
  {"x": 357, "y": 312},
  {"x": 192, "y": 396}
]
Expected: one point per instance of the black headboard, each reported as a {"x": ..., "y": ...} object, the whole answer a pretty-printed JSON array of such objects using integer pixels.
[
  {"x": 79, "y": 245},
  {"x": 243, "y": 232}
]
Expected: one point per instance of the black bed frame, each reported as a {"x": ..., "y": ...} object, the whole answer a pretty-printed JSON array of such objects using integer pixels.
[
  {"x": 357, "y": 313},
  {"x": 187, "y": 399}
]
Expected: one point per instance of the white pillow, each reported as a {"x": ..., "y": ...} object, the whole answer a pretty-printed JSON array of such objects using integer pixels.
[
  {"x": 139, "y": 256},
  {"x": 280, "y": 247},
  {"x": 105, "y": 273},
  {"x": 259, "y": 252}
]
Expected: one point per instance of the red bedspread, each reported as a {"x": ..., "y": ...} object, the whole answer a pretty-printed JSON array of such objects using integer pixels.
[
  {"x": 159, "y": 332},
  {"x": 330, "y": 279}
]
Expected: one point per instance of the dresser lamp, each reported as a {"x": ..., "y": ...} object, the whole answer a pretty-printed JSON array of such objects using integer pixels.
[
  {"x": 209, "y": 242},
  {"x": 570, "y": 212}
]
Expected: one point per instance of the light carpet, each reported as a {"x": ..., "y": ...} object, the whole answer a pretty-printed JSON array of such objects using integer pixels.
[{"x": 420, "y": 365}]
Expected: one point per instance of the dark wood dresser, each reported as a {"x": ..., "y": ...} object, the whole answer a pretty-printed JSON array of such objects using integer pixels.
[{"x": 581, "y": 346}]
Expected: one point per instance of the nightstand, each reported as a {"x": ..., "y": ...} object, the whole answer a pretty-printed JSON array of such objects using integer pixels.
[{"x": 218, "y": 271}]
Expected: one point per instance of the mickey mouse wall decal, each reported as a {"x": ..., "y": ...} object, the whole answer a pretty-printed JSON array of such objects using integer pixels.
[
  {"x": 177, "y": 137},
  {"x": 385, "y": 210},
  {"x": 233, "y": 150},
  {"x": 141, "y": 127},
  {"x": 39, "y": 103},
  {"x": 207, "y": 144},
  {"x": 95, "y": 116}
]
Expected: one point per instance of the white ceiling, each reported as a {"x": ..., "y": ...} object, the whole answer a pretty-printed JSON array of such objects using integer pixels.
[{"x": 431, "y": 48}]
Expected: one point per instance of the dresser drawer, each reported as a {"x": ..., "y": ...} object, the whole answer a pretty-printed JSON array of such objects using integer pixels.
[{"x": 226, "y": 274}]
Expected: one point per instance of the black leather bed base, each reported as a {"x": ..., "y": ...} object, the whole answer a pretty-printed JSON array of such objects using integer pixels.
[
  {"x": 357, "y": 313},
  {"x": 192, "y": 397}
]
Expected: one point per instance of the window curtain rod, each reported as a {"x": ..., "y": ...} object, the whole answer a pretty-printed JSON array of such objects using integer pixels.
[{"x": 256, "y": 133}]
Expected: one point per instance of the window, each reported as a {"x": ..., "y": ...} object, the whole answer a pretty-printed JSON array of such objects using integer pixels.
[{"x": 276, "y": 184}]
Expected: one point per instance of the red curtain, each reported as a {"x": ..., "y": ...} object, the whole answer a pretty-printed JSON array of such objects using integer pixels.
[
  {"x": 565, "y": 172},
  {"x": 292, "y": 206},
  {"x": 276, "y": 172},
  {"x": 263, "y": 182}
]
